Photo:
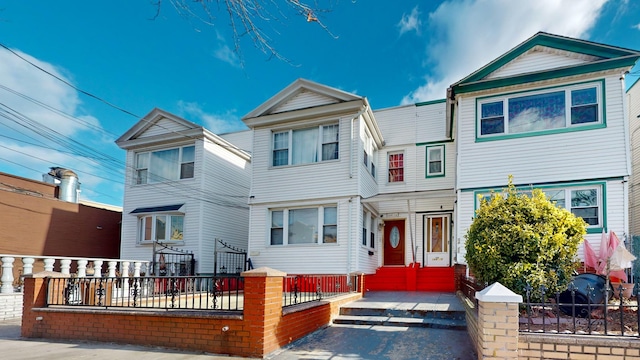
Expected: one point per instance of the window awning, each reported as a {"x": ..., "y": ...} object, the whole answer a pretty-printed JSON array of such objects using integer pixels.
[{"x": 156, "y": 209}]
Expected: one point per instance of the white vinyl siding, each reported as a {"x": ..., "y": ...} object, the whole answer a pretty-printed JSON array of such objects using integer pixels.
[
  {"x": 539, "y": 59},
  {"x": 575, "y": 155},
  {"x": 634, "y": 133},
  {"x": 304, "y": 99}
]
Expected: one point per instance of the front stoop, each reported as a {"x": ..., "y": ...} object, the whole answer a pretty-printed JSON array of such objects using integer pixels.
[{"x": 451, "y": 320}]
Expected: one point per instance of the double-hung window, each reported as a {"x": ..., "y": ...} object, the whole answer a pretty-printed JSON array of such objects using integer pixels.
[
  {"x": 304, "y": 146},
  {"x": 582, "y": 201},
  {"x": 396, "y": 167},
  {"x": 161, "y": 227},
  {"x": 435, "y": 160},
  {"x": 544, "y": 110},
  {"x": 369, "y": 154},
  {"x": 311, "y": 225},
  {"x": 165, "y": 165}
]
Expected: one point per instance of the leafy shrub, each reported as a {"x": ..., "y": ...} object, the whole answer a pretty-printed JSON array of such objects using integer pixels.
[{"x": 517, "y": 239}]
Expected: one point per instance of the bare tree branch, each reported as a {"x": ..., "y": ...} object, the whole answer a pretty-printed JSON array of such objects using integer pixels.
[{"x": 247, "y": 18}]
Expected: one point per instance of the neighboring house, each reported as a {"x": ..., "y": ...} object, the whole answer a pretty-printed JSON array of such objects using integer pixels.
[
  {"x": 552, "y": 113},
  {"x": 330, "y": 194},
  {"x": 185, "y": 187},
  {"x": 633, "y": 112},
  {"x": 36, "y": 222}
]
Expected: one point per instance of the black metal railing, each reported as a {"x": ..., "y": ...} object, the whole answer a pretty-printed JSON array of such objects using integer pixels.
[
  {"x": 298, "y": 289},
  {"x": 228, "y": 259},
  {"x": 221, "y": 293},
  {"x": 586, "y": 311},
  {"x": 469, "y": 286}
]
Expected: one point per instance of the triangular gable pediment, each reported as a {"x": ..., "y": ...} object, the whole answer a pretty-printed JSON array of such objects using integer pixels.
[
  {"x": 301, "y": 94},
  {"x": 541, "y": 58},
  {"x": 547, "y": 56},
  {"x": 159, "y": 123}
]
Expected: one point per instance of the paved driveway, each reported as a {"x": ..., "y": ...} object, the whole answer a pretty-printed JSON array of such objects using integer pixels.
[{"x": 380, "y": 342}]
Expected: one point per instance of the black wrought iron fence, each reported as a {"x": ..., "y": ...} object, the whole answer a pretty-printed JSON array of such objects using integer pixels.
[
  {"x": 225, "y": 293},
  {"x": 298, "y": 289},
  {"x": 583, "y": 310},
  {"x": 228, "y": 259}
]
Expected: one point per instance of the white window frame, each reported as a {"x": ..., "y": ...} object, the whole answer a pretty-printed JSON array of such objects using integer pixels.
[
  {"x": 429, "y": 149},
  {"x": 389, "y": 177},
  {"x": 504, "y": 99},
  {"x": 290, "y": 150},
  {"x": 153, "y": 218},
  {"x": 567, "y": 199},
  {"x": 319, "y": 235},
  {"x": 144, "y": 173}
]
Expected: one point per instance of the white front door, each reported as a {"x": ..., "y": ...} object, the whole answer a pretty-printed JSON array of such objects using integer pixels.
[{"x": 437, "y": 240}]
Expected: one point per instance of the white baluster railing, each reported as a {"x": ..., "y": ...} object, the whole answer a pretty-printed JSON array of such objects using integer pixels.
[{"x": 48, "y": 263}]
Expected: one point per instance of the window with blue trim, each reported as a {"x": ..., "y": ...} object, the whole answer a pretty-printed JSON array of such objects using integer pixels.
[{"x": 540, "y": 111}]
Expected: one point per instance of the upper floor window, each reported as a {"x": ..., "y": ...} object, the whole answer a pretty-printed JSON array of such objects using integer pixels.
[
  {"x": 161, "y": 227},
  {"x": 303, "y": 146},
  {"x": 540, "y": 111},
  {"x": 300, "y": 225},
  {"x": 368, "y": 153},
  {"x": 396, "y": 167},
  {"x": 165, "y": 165},
  {"x": 435, "y": 160}
]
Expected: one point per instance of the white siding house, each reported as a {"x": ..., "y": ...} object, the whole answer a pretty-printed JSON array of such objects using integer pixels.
[
  {"x": 184, "y": 187},
  {"x": 551, "y": 113}
]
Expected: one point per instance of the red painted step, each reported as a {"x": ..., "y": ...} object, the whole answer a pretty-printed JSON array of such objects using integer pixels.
[{"x": 412, "y": 279}]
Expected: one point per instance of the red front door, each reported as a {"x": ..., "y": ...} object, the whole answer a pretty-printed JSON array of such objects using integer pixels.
[{"x": 394, "y": 242}]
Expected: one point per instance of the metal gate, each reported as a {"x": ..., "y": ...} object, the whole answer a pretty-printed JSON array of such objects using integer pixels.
[
  {"x": 229, "y": 259},
  {"x": 170, "y": 261}
]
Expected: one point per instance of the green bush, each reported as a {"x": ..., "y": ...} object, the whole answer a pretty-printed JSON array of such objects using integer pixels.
[{"x": 517, "y": 239}]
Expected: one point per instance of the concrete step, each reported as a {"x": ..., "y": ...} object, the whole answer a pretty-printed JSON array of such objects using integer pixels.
[
  {"x": 403, "y": 313},
  {"x": 436, "y": 323}
]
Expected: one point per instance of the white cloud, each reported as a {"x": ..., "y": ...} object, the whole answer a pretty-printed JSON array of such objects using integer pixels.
[
  {"x": 26, "y": 146},
  {"x": 467, "y": 34},
  {"x": 410, "y": 22},
  {"x": 226, "y": 54},
  {"x": 217, "y": 123},
  {"x": 637, "y": 26}
]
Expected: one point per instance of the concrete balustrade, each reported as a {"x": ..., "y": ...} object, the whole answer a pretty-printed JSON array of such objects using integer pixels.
[{"x": 65, "y": 264}]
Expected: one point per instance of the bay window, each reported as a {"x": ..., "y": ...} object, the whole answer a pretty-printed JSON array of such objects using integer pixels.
[
  {"x": 304, "y": 146},
  {"x": 311, "y": 225},
  {"x": 165, "y": 165},
  {"x": 544, "y": 110}
]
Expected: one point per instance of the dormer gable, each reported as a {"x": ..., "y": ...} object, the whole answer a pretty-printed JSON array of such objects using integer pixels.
[
  {"x": 300, "y": 99},
  {"x": 160, "y": 127},
  {"x": 546, "y": 56}
]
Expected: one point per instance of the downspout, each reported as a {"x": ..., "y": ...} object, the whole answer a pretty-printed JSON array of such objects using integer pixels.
[
  {"x": 627, "y": 144},
  {"x": 349, "y": 218}
]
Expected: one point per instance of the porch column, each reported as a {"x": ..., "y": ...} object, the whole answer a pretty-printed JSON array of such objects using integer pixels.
[
  {"x": 497, "y": 323},
  {"x": 263, "y": 308}
]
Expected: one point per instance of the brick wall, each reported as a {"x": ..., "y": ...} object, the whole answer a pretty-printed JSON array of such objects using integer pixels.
[
  {"x": 262, "y": 328},
  {"x": 10, "y": 306},
  {"x": 582, "y": 347}
]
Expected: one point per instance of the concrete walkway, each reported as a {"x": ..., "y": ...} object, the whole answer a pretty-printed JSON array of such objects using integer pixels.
[{"x": 334, "y": 342}]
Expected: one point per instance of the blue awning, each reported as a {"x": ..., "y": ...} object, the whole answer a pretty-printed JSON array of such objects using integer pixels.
[{"x": 156, "y": 209}]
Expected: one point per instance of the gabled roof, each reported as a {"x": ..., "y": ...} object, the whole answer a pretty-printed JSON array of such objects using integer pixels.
[
  {"x": 160, "y": 127},
  {"x": 318, "y": 95},
  {"x": 596, "y": 56}
]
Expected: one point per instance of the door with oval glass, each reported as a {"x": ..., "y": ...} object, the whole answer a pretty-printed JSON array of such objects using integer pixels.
[
  {"x": 437, "y": 240},
  {"x": 394, "y": 242}
]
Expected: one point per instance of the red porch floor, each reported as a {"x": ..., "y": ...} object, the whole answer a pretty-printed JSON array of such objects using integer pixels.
[{"x": 411, "y": 278}]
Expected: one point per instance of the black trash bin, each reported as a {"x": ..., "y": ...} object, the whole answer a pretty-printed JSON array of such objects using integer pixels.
[{"x": 581, "y": 283}]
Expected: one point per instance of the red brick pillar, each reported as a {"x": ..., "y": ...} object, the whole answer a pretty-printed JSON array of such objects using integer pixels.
[
  {"x": 262, "y": 309},
  {"x": 35, "y": 296}
]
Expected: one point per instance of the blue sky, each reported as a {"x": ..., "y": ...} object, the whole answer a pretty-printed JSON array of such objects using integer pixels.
[{"x": 118, "y": 52}]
